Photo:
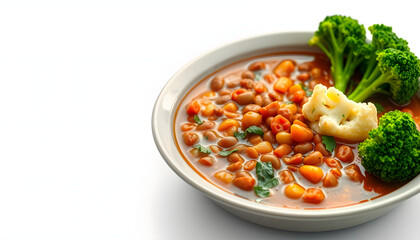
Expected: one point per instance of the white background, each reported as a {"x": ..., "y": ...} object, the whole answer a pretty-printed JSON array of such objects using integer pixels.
[{"x": 78, "y": 80}]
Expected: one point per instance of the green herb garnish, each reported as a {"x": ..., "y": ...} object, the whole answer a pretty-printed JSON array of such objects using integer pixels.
[
  {"x": 252, "y": 129},
  {"x": 261, "y": 191},
  {"x": 379, "y": 107},
  {"x": 266, "y": 179},
  {"x": 198, "y": 120},
  {"x": 202, "y": 149},
  {"x": 225, "y": 153},
  {"x": 255, "y": 130},
  {"x": 258, "y": 75},
  {"x": 329, "y": 143},
  {"x": 307, "y": 90},
  {"x": 239, "y": 135}
]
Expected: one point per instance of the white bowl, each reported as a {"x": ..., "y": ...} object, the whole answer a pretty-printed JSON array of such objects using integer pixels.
[{"x": 277, "y": 217}]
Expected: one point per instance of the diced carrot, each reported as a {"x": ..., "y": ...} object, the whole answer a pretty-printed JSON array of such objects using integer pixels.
[
  {"x": 300, "y": 123},
  {"x": 208, "y": 110},
  {"x": 294, "y": 191},
  {"x": 263, "y": 147},
  {"x": 259, "y": 87},
  {"x": 311, "y": 173},
  {"x": 230, "y": 107},
  {"x": 282, "y": 84},
  {"x": 251, "y": 119},
  {"x": 270, "y": 110},
  {"x": 291, "y": 106},
  {"x": 279, "y": 124},
  {"x": 228, "y": 123},
  {"x": 285, "y": 68},
  {"x": 296, "y": 93},
  {"x": 224, "y": 176},
  {"x": 298, "y": 96},
  {"x": 284, "y": 138},
  {"x": 230, "y": 131},
  {"x": 294, "y": 88},
  {"x": 300, "y": 133},
  {"x": 194, "y": 107}
]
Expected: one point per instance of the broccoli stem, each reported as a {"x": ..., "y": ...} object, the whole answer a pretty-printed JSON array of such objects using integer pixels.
[
  {"x": 372, "y": 63},
  {"x": 367, "y": 79},
  {"x": 341, "y": 80},
  {"x": 350, "y": 66},
  {"x": 371, "y": 86},
  {"x": 338, "y": 70}
]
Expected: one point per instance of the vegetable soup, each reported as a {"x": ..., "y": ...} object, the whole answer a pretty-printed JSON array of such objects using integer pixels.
[{"x": 242, "y": 129}]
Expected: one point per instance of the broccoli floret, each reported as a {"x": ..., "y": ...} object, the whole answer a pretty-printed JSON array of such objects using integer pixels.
[
  {"x": 396, "y": 74},
  {"x": 343, "y": 40},
  {"x": 401, "y": 92},
  {"x": 382, "y": 38},
  {"x": 393, "y": 150}
]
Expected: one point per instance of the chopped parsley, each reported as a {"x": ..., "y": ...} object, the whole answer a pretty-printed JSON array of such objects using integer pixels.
[
  {"x": 197, "y": 120},
  {"x": 309, "y": 93},
  {"x": 307, "y": 90},
  {"x": 266, "y": 179},
  {"x": 379, "y": 107},
  {"x": 329, "y": 143},
  {"x": 252, "y": 129},
  {"x": 239, "y": 135},
  {"x": 258, "y": 75},
  {"x": 202, "y": 149},
  {"x": 225, "y": 153}
]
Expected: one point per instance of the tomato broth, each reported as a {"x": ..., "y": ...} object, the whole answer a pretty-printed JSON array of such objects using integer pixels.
[{"x": 203, "y": 125}]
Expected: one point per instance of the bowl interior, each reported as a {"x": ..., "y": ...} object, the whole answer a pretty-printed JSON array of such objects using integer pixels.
[{"x": 173, "y": 92}]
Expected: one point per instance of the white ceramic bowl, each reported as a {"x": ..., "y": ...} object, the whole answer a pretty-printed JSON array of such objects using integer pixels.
[{"x": 277, "y": 217}]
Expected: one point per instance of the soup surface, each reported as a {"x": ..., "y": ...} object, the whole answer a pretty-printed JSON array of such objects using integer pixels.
[{"x": 242, "y": 114}]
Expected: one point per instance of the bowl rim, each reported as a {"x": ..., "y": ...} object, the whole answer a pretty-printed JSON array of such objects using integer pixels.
[{"x": 404, "y": 192}]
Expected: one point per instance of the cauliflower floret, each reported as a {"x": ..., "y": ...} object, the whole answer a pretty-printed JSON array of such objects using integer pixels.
[{"x": 331, "y": 113}]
